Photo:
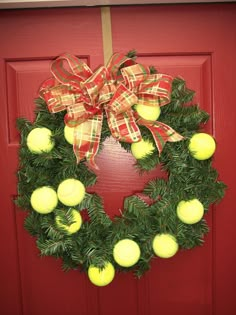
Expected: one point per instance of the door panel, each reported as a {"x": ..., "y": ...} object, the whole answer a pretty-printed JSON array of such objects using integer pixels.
[
  {"x": 29, "y": 41},
  {"x": 191, "y": 274},
  {"x": 183, "y": 40},
  {"x": 198, "y": 43}
]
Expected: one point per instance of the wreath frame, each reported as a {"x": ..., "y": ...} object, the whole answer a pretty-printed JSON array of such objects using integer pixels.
[{"x": 140, "y": 221}]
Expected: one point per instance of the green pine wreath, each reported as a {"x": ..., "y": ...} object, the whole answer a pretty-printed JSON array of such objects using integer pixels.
[{"x": 93, "y": 244}]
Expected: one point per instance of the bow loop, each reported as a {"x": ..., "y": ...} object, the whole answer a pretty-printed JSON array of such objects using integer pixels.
[
  {"x": 107, "y": 92},
  {"x": 122, "y": 100},
  {"x": 94, "y": 84},
  {"x": 57, "y": 96},
  {"x": 80, "y": 71},
  {"x": 116, "y": 63},
  {"x": 156, "y": 87},
  {"x": 135, "y": 75}
]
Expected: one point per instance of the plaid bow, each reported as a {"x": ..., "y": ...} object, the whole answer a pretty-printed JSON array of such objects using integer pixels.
[{"x": 113, "y": 89}]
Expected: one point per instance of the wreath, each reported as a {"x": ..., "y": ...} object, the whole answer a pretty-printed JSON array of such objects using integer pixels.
[{"x": 152, "y": 116}]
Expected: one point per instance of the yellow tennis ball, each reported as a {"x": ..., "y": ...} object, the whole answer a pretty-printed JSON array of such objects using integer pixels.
[
  {"x": 148, "y": 112},
  {"x": 190, "y": 211},
  {"x": 69, "y": 134},
  {"x": 165, "y": 245},
  {"x": 142, "y": 148},
  {"x": 101, "y": 277},
  {"x": 71, "y": 192},
  {"x": 75, "y": 226},
  {"x": 126, "y": 252},
  {"x": 202, "y": 146},
  {"x": 39, "y": 140},
  {"x": 44, "y": 200}
]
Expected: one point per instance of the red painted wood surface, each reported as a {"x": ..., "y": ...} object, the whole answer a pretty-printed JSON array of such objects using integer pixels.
[
  {"x": 196, "y": 42},
  {"x": 29, "y": 40}
]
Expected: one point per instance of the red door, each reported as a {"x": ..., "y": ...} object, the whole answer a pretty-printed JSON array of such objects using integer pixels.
[{"x": 196, "y": 42}]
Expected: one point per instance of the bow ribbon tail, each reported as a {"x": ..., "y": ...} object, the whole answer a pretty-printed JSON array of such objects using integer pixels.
[
  {"x": 87, "y": 139},
  {"x": 161, "y": 133},
  {"x": 120, "y": 117},
  {"x": 123, "y": 127}
]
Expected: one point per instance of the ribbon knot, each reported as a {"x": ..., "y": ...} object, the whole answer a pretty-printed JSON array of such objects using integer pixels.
[{"x": 113, "y": 89}]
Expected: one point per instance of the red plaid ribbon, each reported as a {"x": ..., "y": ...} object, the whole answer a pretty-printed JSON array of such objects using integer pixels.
[{"x": 114, "y": 89}]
